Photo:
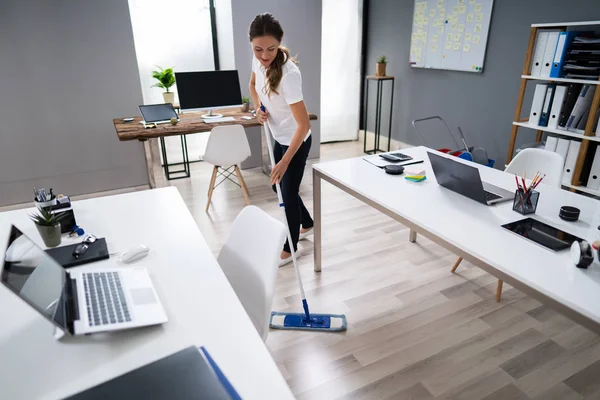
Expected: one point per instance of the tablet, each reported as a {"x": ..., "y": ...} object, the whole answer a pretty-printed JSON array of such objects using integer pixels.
[{"x": 543, "y": 234}]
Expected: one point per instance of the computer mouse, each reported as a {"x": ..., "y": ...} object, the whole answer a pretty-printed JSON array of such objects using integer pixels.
[{"x": 134, "y": 253}]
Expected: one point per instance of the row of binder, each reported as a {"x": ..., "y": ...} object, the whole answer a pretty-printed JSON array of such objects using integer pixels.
[
  {"x": 569, "y": 54},
  {"x": 569, "y": 150},
  {"x": 562, "y": 106}
]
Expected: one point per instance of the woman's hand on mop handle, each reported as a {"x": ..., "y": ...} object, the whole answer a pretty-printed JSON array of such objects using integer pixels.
[{"x": 262, "y": 114}]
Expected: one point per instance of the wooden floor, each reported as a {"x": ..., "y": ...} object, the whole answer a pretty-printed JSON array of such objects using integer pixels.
[{"x": 415, "y": 330}]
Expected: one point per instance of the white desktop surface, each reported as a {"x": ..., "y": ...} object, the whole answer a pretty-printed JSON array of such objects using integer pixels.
[
  {"x": 201, "y": 306},
  {"x": 475, "y": 229}
]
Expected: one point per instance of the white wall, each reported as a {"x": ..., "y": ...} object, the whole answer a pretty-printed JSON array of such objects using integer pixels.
[{"x": 68, "y": 68}]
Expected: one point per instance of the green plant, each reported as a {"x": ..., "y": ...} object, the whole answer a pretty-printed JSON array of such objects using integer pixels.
[
  {"x": 382, "y": 60},
  {"x": 46, "y": 218},
  {"x": 165, "y": 78},
  {"x": 245, "y": 100}
]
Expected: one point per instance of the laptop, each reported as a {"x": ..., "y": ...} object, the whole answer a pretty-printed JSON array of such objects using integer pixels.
[
  {"x": 79, "y": 301},
  {"x": 465, "y": 180},
  {"x": 158, "y": 113}
]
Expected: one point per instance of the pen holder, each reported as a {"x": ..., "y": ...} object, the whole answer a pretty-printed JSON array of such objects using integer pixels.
[
  {"x": 44, "y": 204},
  {"x": 525, "y": 203}
]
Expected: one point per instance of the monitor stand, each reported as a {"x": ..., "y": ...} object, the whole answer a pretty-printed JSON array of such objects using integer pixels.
[{"x": 210, "y": 115}]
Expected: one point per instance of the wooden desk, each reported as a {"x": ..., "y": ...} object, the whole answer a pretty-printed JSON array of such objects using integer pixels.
[{"x": 190, "y": 122}]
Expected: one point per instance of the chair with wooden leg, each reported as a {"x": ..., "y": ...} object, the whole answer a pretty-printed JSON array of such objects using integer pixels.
[
  {"x": 227, "y": 147},
  {"x": 529, "y": 162}
]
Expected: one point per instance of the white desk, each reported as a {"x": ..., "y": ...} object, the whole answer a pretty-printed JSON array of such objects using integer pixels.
[
  {"x": 201, "y": 306},
  {"x": 473, "y": 231}
]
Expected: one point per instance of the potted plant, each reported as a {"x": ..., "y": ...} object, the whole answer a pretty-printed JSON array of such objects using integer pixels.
[
  {"x": 166, "y": 79},
  {"x": 48, "y": 225},
  {"x": 380, "y": 68},
  {"x": 245, "y": 104}
]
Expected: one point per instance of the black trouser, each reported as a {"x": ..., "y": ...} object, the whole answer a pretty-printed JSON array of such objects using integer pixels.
[{"x": 295, "y": 211}]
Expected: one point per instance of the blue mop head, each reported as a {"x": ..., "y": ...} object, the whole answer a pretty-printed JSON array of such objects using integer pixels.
[{"x": 317, "y": 322}]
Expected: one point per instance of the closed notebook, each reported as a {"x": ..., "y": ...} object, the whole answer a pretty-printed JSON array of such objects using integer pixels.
[{"x": 187, "y": 374}]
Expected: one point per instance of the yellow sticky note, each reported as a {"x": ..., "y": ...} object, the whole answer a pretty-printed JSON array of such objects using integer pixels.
[
  {"x": 472, "y": 1},
  {"x": 455, "y": 9},
  {"x": 441, "y": 29},
  {"x": 418, "y": 58},
  {"x": 467, "y": 37},
  {"x": 462, "y": 9},
  {"x": 454, "y": 26},
  {"x": 477, "y": 28},
  {"x": 461, "y": 2},
  {"x": 457, "y": 37},
  {"x": 442, "y": 12},
  {"x": 476, "y": 39},
  {"x": 449, "y": 46},
  {"x": 440, "y": 3},
  {"x": 433, "y": 47},
  {"x": 432, "y": 12},
  {"x": 456, "y": 47},
  {"x": 470, "y": 17},
  {"x": 449, "y": 37},
  {"x": 480, "y": 17},
  {"x": 478, "y": 8},
  {"x": 461, "y": 28},
  {"x": 466, "y": 48}
]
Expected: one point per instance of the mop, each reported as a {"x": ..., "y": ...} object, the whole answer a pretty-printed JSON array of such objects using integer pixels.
[{"x": 299, "y": 321}]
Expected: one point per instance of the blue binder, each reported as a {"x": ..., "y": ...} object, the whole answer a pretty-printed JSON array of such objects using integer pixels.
[{"x": 564, "y": 42}]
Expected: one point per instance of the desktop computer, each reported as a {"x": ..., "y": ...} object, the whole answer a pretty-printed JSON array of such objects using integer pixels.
[{"x": 207, "y": 90}]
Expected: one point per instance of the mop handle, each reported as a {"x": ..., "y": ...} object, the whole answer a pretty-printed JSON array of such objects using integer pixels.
[{"x": 282, "y": 207}]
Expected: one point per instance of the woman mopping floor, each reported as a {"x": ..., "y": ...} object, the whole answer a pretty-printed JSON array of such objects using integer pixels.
[{"x": 276, "y": 90}]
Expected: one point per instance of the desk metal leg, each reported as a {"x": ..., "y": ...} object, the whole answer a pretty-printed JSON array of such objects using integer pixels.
[
  {"x": 365, "y": 118},
  {"x": 317, "y": 219},
  {"x": 412, "y": 236},
  {"x": 377, "y": 117},
  {"x": 186, "y": 160}
]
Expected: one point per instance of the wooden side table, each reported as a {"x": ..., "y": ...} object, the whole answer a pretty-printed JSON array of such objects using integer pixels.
[{"x": 379, "y": 95}]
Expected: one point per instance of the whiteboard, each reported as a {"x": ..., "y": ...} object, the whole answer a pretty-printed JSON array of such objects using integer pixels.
[{"x": 450, "y": 34}]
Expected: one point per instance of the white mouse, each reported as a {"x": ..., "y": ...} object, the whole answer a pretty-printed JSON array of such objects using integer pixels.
[{"x": 134, "y": 253}]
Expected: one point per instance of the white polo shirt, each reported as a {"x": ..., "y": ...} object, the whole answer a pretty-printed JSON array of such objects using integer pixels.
[{"x": 282, "y": 123}]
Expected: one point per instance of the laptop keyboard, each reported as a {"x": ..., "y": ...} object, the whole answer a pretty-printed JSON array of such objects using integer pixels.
[
  {"x": 105, "y": 299},
  {"x": 489, "y": 196}
]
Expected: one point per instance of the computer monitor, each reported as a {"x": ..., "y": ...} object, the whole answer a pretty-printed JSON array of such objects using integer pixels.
[{"x": 208, "y": 89}]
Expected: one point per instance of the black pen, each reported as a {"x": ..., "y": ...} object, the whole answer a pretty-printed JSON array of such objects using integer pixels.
[{"x": 411, "y": 163}]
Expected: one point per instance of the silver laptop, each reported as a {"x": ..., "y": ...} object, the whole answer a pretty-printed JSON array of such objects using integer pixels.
[
  {"x": 158, "y": 113},
  {"x": 464, "y": 179},
  {"x": 79, "y": 301}
]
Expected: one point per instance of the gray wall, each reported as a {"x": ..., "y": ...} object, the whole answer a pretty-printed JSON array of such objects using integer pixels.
[
  {"x": 483, "y": 105},
  {"x": 301, "y": 21},
  {"x": 68, "y": 68}
]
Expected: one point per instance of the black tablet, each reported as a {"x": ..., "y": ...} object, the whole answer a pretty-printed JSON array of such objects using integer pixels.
[{"x": 541, "y": 233}]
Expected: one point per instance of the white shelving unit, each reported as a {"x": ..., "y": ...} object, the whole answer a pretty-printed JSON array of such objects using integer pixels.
[
  {"x": 588, "y": 138},
  {"x": 560, "y": 132},
  {"x": 565, "y": 80}
]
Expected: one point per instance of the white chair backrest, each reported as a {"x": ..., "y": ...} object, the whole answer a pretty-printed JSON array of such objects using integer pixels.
[
  {"x": 250, "y": 260},
  {"x": 530, "y": 161},
  {"x": 227, "y": 145}
]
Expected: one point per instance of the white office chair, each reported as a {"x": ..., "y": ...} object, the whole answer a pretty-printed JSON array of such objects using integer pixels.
[
  {"x": 226, "y": 148},
  {"x": 528, "y": 162},
  {"x": 250, "y": 260}
]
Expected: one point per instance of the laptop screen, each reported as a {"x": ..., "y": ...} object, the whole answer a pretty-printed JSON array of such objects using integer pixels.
[
  {"x": 35, "y": 277},
  {"x": 158, "y": 112}
]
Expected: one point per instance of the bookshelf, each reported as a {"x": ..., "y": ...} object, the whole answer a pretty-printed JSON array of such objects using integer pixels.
[{"x": 588, "y": 135}]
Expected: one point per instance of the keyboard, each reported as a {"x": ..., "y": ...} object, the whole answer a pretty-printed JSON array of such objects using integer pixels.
[
  {"x": 105, "y": 299},
  {"x": 489, "y": 196},
  {"x": 215, "y": 120}
]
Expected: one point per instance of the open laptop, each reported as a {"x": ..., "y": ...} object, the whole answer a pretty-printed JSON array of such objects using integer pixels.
[
  {"x": 464, "y": 179},
  {"x": 79, "y": 301},
  {"x": 158, "y": 113}
]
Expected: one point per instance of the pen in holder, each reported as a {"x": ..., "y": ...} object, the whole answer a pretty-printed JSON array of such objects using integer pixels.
[{"x": 525, "y": 202}]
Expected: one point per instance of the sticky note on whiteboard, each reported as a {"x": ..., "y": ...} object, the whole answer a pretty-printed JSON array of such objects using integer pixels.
[
  {"x": 457, "y": 37},
  {"x": 478, "y": 8},
  {"x": 461, "y": 28},
  {"x": 467, "y": 37},
  {"x": 456, "y": 46},
  {"x": 466, "y": 48},
  {"x": 470, "y": 17},
  {"x": 449, "y": 37},
  {"x": 476, "y": 39},
  {"x": 433, "y": 47},
  {"x": 477, "y": 28},
  {"x": 449, "y": 46},
  {"x": 480, "y": 17}
]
